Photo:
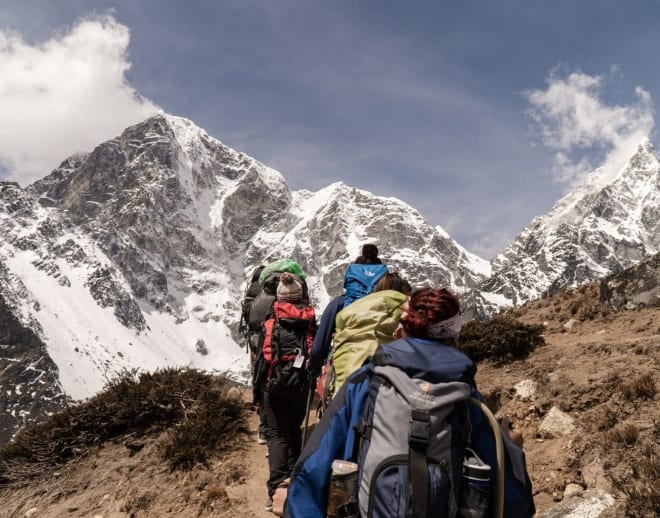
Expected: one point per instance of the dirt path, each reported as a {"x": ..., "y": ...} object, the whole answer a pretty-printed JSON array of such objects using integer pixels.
[{"x": 251, "y": 495}]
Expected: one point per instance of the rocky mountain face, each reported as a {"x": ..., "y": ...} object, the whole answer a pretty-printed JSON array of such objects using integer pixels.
[
  {"x": 174, "y": 208},
  {"x": 44, "y": 261},
  {"x": 34, "y": 391},
  {"x": 135, "y": 255},
  {"x": 598, "y": 229},
  {"x": 635, "y": 288}
]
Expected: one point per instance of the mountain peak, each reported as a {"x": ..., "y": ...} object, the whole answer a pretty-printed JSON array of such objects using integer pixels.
[
  {"x": 606, "y": 224},
  {"x": 647, "y": 145},
  {"x": 644, "y": 159}
]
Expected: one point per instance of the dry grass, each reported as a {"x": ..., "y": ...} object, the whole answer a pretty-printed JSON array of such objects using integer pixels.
[
  {"x": 193, "y": 406},
  {"x": 600, "y": 419},
  {"x": 641, "y": 387},
  {"x": 625, "y": 435},
  {"x": 640, "y": 485},
  {"x": 582, "y": 304}
]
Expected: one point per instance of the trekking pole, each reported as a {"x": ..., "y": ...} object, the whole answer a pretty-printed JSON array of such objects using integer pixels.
[{"x": 310, "y": 396}]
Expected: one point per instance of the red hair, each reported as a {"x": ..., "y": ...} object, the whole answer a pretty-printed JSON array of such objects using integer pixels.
[{"x": 426, "y": 307}]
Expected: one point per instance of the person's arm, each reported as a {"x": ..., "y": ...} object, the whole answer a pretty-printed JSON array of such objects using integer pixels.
[
  {"x": 323, "y": 338},
  {"x": 333, "y": 438},
  {"x": 512, "y": 433}
]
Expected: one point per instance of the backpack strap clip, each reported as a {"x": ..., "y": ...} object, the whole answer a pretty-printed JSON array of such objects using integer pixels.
[
  {"x": 349, "y": 510},
  {"x": 419, "y": 433},
  {"x": 363, "y": 429}
]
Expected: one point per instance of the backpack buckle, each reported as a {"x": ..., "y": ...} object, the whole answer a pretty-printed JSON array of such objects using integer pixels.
[
  {"x": 348, "y": 510},
  {"x": 419, "y": 431}
]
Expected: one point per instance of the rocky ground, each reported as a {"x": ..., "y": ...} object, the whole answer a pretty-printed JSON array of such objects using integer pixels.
[{"x": 586, "y": 403}]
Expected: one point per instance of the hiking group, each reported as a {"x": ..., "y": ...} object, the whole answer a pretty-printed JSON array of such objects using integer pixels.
[{"x": 403, "y": 430}]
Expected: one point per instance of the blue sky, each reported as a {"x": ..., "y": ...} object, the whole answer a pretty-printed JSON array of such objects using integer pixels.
[{"x": 480, "y": 114}]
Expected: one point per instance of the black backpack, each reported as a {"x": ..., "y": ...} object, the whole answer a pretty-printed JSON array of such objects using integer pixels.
[{"x": 252, "y": 291}]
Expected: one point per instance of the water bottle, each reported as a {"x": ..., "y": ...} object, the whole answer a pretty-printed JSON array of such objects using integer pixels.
[
  {"x": 343, "y": 481},
  {"x": 475, "y": 497}
]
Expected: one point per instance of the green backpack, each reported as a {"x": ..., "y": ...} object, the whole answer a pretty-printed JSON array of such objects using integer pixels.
[{"x": 361, "y": 327}]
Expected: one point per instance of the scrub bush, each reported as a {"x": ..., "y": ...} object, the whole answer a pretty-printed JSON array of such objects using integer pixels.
[{"x": 500, "y": 340}]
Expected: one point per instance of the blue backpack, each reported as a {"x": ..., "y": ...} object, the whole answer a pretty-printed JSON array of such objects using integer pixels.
[{"x": 360, "y": 280}]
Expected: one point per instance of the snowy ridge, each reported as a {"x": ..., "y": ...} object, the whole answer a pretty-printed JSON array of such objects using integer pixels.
[{"x": 604, "y": 226}]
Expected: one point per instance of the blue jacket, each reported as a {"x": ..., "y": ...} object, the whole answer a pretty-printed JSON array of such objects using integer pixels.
[
  {"x": 334, "y": 436},
  {"x": 323, "y": 338}
]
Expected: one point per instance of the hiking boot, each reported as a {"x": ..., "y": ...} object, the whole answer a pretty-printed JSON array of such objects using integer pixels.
[
  {"x": 261, "y": 438},
  {"x": 269, "y": 505}
]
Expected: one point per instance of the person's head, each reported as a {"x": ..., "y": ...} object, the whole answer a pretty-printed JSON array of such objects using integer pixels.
[
  {"x": 433, "y": 314},
  {"x": 393, "y": 281},
  {"x": 289, "y": 289},
  {"x": 369, "y": 255}
]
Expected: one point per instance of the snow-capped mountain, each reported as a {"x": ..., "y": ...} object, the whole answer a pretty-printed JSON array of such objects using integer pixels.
[
  {"x": 603, "y": 226},
  {"x": 135, "y": 255}
]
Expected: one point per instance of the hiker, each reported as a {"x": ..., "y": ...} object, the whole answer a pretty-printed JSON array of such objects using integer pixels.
[
  {"x": 288, "y": 334},
  {"x": 363, "y": 325},
  {"x": 252, "y": 290},
  {"x": 387, "y": 419},
  {"x": 358, "y": 281},
  {"x": 259, "y": 309},
  {"x": 251, "y": 336}
]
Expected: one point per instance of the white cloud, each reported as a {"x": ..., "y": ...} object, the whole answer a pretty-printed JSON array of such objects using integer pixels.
[
  {"x": 573, "y": 119},
  {"x": 63, "y": 96}
]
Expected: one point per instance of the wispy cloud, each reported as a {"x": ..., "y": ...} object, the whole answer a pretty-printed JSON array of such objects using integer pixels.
[
  {"x": 576, "y": 122},
  {"x": 65, "y": 95}
]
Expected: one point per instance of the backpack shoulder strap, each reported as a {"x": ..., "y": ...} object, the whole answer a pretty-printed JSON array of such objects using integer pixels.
[{"x": 419, "y": 435}]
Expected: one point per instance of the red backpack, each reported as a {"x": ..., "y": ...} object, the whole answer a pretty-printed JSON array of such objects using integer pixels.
[{"x": 289, "y": 333}]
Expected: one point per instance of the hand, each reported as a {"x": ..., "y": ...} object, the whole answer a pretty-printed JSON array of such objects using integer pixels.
[
  {"x": 398, "y": 332},
  {"x": 515, "y": 435}
]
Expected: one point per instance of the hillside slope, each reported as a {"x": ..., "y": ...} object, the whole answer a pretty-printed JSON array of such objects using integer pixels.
[{"x": 598, "y": 366}]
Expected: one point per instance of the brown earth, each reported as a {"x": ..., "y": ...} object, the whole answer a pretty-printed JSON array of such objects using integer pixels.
[
  {"x": 601, "y": 369},
  {"x": 598, "y": 369}
]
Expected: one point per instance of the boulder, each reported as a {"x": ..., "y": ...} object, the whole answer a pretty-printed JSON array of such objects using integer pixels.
[
  {"x": 586, "y": 504},
  {"x": 556, "y": 423},
  {"x": 525, "y": 389}
]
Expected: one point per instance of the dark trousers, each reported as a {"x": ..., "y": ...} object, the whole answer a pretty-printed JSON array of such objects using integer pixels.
[
  {"x": 253, "y": 342},
  {"x": 285, "y": 413}
]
